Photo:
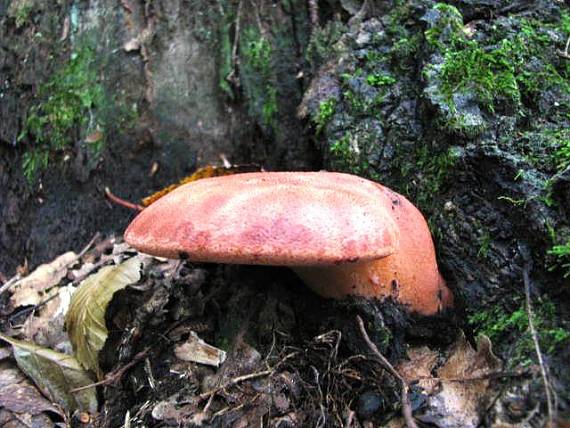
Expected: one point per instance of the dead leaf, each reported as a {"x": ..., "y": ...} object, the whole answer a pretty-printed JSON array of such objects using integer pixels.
[
  {"x": 45, "y": 326},
  {"x": 31, "y": 289},
  {"x": 85, "y": 321},
  {"x": 419, "y": 368},
  {"x": 198, "y": 351},
  {"x": 204, "y": 172},
  {"x": 55, "y": 374},
  {"x": 18, "y": 395},
  {"x": 462, "y": 401}
]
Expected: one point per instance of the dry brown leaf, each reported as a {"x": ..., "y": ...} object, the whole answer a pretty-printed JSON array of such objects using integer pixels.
[
  {"x": 419, "y": 366},
  {"x": 31, "y": 290},
  {"x": 204, "y": 172},
  {"x": 462, "y": 401}
]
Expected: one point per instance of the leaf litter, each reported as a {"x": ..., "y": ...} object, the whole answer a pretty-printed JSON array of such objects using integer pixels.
[{"x": 317, "y": 380}]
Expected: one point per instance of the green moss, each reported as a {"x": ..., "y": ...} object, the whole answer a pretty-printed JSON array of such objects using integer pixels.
[
  {"x": 431, "y": 169},
  {"x": 561, "y": 154},
  {"x": 256, "y": 52},
  {"x": 497, "y": 324},
  {"x": 490, "y": 74},
  {"x": 448, "y": 24},
  {"x": 562, "y": 255},
  {"x": 64, "y": 111},
  {"x": 20, "y": 11},
  {"x": 346, "y": 157},
  {"x": 513, "y": 67},
  {"x": 380, "y": 79},
  {"x": 70, "y": 106},
  {"x": 484, "y": 244},
  {"x": 325, "y": 113}
]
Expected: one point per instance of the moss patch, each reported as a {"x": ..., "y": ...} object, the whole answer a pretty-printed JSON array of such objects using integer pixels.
[
  {"x": 498, "y": 323},
  {"x": 71, "y": 106},
  {"x": 256, "y": 52}
]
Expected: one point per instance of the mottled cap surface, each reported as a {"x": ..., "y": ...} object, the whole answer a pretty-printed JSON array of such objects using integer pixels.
[{"x": 270, "y": 218}]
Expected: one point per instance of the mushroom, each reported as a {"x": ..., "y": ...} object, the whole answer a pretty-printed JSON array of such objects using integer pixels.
[{"x": 342, "y": 234}]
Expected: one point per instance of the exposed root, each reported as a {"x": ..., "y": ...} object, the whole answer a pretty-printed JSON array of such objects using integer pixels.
[
  {"x": 406, "y": 406},
  {"x": 122, "y": 202},
  {"x": 550, "y": 394}
]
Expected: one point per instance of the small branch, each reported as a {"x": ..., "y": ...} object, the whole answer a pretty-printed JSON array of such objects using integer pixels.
[
  {"x": 406, "y": 406},
  {"x": 116, "y": 375},
  {"x": 550, "y": 398},
  {"x": 9, "y": 283},
  {"x": 233, "y": 382},
  {"x": 122, "y": 202},
  {"x": 497, "y": 375}
]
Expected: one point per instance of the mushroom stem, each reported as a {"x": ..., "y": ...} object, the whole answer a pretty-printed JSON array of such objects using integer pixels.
[
  {"x": 427, "y": 295},
  {"x": 409, "y": 275}
]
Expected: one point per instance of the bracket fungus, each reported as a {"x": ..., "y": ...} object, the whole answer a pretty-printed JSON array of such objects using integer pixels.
[{"x": 342, "y": 234}]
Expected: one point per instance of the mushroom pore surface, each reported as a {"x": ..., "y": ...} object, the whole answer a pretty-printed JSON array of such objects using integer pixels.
[{"x": 342, "y": 234}]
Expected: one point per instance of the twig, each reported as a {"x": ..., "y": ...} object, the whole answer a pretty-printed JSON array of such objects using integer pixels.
[
  {"x": 550, "y": 398},
  {"x": 116, "y": 375},
  {"x": 406, "y": 406},
  {"x": 488, "y": 376},
  {"x": 233, "y": 382},
  {"x": 243, "y": 378},
  {"x": 88, "y": 246},
  {"x": 122, "y": 202},
  {"x": 9, "y": 283}
]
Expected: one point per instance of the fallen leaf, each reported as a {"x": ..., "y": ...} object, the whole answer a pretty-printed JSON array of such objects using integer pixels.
[
  {"x": 462, "y": 401},
  {"x": 55, "y": 374},
  {"x": 85, "y": 320},
  {"x": 45, "y": 326},
  {"x": 18, "y": 395},
  {"x": 204, "y": 172},
  {"x": 31, "y": 290},
  {"x": 198, "y": 351},
  {"x": 419, "y": 366}
]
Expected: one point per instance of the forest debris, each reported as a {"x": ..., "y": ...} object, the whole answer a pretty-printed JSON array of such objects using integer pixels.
[
  {"x": 404, "y": 399},
  {"x": 419, "y": 366},
  {"x": 132, "y": 45},
  {"x": 198, "y": 351},
  {"x": 5, "y": 353},
  {"x": 19, "y": 395},
  {"x": 85, "y": 319},
  {"x": 462, "y": 403},
  {"x": 551, "y": 399},
  {"x": 45, "y": 326},
  {"x": 31, "y": 290},
  {"x": 55, "y": 374}
]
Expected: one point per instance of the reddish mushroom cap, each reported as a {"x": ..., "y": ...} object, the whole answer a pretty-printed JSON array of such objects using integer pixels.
[{"x": 277, "y": 218}]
